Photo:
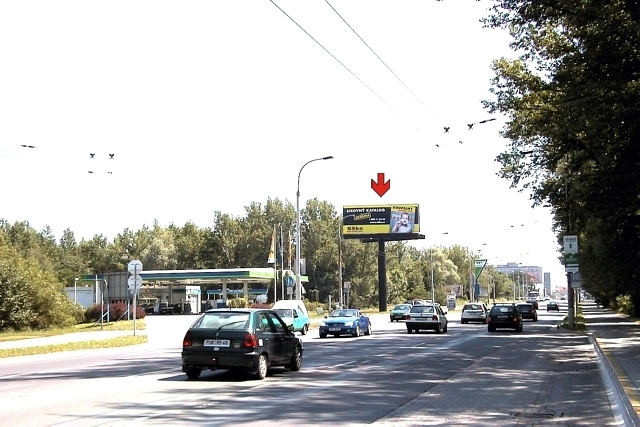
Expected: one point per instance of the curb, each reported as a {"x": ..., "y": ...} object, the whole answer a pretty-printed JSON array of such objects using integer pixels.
[{"x": 629, "y": 398}]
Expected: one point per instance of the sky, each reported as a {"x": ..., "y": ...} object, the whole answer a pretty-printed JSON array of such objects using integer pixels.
[{"x": 209, "y": 105}]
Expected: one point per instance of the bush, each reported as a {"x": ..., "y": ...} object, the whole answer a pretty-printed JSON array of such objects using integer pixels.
[
  {"x": 624, "y": 304},
  {"x": 117, "y": 311},
  {"x": 237, "y": 303},
  {"x": 260, "y": 305}
]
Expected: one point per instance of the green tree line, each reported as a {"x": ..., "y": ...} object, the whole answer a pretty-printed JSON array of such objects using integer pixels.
[
  {"x": 572, "y": 98},
  {"x": 36, "y": 266}
]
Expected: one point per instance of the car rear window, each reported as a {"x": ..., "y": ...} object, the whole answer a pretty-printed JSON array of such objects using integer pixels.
[
  {"x": 472, "y": 307},
  {"x": 422, "y": 309},
  {"x": 227, "y": 319},
  {"x": 284, "y": 312},
  {"x": 498, "y": 309}
]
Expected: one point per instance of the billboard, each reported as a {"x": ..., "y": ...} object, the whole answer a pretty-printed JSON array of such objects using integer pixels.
[{"x": 380, "y": 219}]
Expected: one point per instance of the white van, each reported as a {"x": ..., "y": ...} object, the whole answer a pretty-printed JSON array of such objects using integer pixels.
[{"x": 300, "y": 316}]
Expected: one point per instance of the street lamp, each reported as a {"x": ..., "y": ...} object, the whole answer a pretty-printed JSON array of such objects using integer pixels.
[
  {"x": 75, "y": 290},
  {"x": 298, "y": 278}
]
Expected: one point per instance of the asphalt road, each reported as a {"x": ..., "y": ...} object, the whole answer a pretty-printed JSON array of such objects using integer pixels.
[{"x": 542, "y": 375}]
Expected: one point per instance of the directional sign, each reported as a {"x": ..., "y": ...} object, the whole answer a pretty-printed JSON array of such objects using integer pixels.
[
  {"x": 571, "y": 268},
  {"x": 570, "y": 259},
  {"x": 479, "y": 265},
  {"x": 570, "y": 244}
]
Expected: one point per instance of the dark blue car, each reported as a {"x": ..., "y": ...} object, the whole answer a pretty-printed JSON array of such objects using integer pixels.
[{"x": 345, "y": 322}]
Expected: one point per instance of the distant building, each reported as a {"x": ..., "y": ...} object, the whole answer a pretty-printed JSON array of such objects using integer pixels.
[
  {"x": 533, "y": 272},
  {"x": 547, "y": 283}
]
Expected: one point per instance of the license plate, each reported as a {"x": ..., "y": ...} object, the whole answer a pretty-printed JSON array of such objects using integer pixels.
[
  {"x": 502, "y": 317},
  {"x": 217, "y": 343},
  {"x": 422, "y": 318},
  {"x": 334, "y": 329}
]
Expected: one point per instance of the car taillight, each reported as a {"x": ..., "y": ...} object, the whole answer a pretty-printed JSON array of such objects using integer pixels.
[
  {"x": 249, "y": 341},
  {"x": 434, "y": 317},
  {"x": 186, "y": 342}
]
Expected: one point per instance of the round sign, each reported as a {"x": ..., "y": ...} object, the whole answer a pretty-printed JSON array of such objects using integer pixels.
[
  {"x": 134, "y": 267},
  {"x": 134, "y": 281}
]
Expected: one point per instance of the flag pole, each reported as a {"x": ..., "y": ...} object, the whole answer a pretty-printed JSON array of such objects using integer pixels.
[{"x": 281, "y": 253}]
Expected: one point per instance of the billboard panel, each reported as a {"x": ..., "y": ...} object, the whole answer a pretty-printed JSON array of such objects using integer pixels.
[{"x": 380, "y": 219}]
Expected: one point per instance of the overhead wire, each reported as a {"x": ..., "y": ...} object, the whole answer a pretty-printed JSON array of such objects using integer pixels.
[
  {"x": 337, "y": 60},
  {"x": 380, "y": 59},
  {"x": 446, "y": 128}
]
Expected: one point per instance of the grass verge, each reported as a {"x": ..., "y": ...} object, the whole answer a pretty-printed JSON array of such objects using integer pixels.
[
  {"x": 123, "y": 325},
  {"x": 80, "y": 345},
  {"x": 578, "y": 323}
]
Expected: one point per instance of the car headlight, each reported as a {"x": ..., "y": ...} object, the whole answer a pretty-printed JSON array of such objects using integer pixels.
[
  {"x": 351, "y": 323},
  {"x": 323, "y": 323}
]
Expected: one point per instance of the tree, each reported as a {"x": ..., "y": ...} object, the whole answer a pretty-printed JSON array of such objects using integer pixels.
[{"x": 573, "y": 102}]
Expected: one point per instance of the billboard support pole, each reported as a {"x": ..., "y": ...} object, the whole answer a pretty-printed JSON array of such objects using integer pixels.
[{"x": 382, "y": 277}]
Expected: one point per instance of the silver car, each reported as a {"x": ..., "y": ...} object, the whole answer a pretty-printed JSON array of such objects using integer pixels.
[
  {"x": 427, "y": 316},
  {"x": 474, "y": 312}
]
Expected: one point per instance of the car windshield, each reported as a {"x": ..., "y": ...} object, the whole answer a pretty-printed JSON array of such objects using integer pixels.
[
  {"x": 283, "y": 312},
  {"x": 227, "y": 319},
  {"x": 344, "y": 313},
  {"x": 402, "y": 307}
]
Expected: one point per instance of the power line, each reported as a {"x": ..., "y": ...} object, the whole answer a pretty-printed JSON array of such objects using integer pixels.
[
  {"x": 380, "y": 59},
  {"x": 337, "y": 60}
]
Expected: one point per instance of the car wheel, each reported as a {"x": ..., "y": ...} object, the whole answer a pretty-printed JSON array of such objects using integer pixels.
[
  {"x": 463, "y": 321},
  {"x": 445, "y": 327},
  {"x": 357, "y": 331},
  {"x": 519, "y": 328},
  {"x": 485, "y": 321},
  {"x": 535, "y": 319},
  {"x": 323, "y": 335},
  {"x": 490, "y": 329},
  {"x": 296, "y": 360},
  {"x": 304, "y": 330},
  {"x": 438, "y": 330},
  {"x": 193, "y": 374},
  {"x": 261, "y": 372},
  {"x": 409, "y": 330},
  {"x": 368, "y": 331},
  {"x": 416, "y": 330}
]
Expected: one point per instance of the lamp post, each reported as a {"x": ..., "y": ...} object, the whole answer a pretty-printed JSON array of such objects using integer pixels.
[
  {"x": 75, "y": 290},
  {"x": 298, "y": 278}
]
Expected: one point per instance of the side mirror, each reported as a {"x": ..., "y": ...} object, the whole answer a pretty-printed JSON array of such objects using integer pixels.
[{"x": 325, "y": 316}]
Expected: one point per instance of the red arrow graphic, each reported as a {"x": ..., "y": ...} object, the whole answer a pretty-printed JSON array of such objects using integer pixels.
[{"x": 381, "y": 187}]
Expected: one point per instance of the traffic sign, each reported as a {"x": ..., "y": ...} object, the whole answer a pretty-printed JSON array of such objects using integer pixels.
[
  {"x": 134, "y": 282},
  {"x": 570, "y": 259},
  {"x": 134, "y": 267},
  {"x": 571, "y": 268},
  {"x": 576, "y": 280},
  {"x": 570, "y": 244},
  {"x": 479, "y": 265}
]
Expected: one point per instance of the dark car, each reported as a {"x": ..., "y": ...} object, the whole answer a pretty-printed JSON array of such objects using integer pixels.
[
  {"x": 400, "y": 312},
  {"x": 251, "y": 340},
  {"x": 553, "y": 305},
  {"x": 505, "y": 316},
  {"x": 533, "y": 302},
  {"x": 528, "y": 311}
]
